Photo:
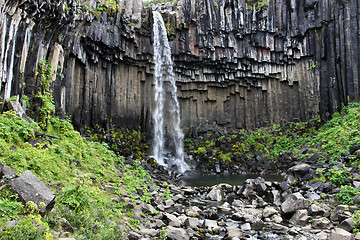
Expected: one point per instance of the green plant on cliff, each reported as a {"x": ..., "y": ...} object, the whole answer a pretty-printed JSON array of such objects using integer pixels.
[
  {"x": 260, "y": 5},
  {"x": 43, "y": 76}
]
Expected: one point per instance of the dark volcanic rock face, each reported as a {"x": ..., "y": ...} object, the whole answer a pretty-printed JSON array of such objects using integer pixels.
[{"x": 236, "y": 65}]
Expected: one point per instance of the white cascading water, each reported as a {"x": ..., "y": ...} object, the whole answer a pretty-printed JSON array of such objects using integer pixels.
[{"x": 168, "y": 137}]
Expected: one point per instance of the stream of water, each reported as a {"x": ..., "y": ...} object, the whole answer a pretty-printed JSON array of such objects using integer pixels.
[{"x": 168, "y": 148}]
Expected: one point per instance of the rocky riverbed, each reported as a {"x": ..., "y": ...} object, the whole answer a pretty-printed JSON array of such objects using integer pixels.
[{"x": 292, "y": 209}]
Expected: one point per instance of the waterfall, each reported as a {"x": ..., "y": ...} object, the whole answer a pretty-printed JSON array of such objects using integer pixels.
[{"x": 168, "y": 146}]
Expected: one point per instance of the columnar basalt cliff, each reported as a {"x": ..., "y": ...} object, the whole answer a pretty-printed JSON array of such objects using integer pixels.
[{"x": 238, "y": 63}]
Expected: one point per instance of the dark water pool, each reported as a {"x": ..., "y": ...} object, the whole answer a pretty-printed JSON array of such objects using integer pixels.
[{"x": 210, "y": 180}]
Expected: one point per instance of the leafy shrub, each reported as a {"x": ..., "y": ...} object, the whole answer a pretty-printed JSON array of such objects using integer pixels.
[
  {"x": 30, "y": 228},
  {"x": 345, "y": 196},
  {"x": 338, "y": 176},
  {"x": 14, "y": 129}
]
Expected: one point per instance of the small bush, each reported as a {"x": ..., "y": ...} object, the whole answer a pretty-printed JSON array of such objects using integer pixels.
[{"x": 345, "y": 196}]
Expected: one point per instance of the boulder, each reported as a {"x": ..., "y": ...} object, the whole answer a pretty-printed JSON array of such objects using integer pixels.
[
  {"x": 293, "y": 202},
  {"x": 269, "y": 211},
  {"x": 216, "y": 194},
  {"x": 340, "y": 213},
  {"x": 192, "y": 223},
  {"x": 300, "y": 217},
  {"x": 6, "y": 172},
  {"x": 149, "y": 232},
  {"x": 340, "y": 234},
  {"x": 348, "y": 224},
  {"x": 193, "y": 211},
  {"x": 173, "y": 220},
  {"x": 177, "y": 233},
  {"x": 30, "y": 188},
  {"x": 235, "y": 234},
  {"x": 315, "y": 210},
  {"x": 321, "y": 223},
  {"x": 300, "y": 170},
  {"x": 212, "y": 225}
]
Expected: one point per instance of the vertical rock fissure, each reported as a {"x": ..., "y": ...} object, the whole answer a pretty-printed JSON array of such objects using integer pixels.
[{"x": 168, "y": 146}]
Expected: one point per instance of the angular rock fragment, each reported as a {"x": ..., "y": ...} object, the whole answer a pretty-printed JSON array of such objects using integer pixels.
[{"x": 30, "y": 188}]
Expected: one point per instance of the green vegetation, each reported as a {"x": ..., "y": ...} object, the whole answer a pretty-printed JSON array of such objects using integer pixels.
[
  {"x": 345, "y": 196},
  {"x": 87, "y": 177},
  {"x": 260, "y": 5},
  {"x": 330, "y": 140}
]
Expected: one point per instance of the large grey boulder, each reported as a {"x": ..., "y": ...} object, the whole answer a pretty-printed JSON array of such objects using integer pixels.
[
  {"x": 30, "y": 188},
  {"x": 177, "y": 233},
  {"x": 340, "y": 234},
  {"x": 293, "y": 202}
]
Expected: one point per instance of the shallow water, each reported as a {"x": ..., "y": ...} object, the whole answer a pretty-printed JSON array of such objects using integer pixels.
[{"x": 210, "y": 180}]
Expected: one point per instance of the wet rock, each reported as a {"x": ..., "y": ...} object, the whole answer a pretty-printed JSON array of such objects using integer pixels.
[
  {"x": 340, "y": 234},
  {"x": 293, "y": 202},
  {"x": 30, "y": 188}
]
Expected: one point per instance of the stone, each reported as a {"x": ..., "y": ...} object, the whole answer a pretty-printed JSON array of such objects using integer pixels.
[
  {"x": 348, "y": 224},
  {"x": 269, "y": 211},
  {"x": 169, "y": 203},
  {"x": 193, "y": 211},
  {"x": 134, "y": 236},
  {"x": 356, "y": 199},
  {"x": 30, "y": 188},
  {"x": 6, "y": 171},
  {"x": 11, "y": 223},
  {"x": 300, "y": 169},
  {"x": 177, "y": 233},
  {"x": 321, "y": 223},
  {"x": 191, "y": 223},
  {"x": 173, "y": 220},
  {"x": 216, "y": 194},
  {"x": 300, "y": 217},
  {"x": 293, "y": 202},
  {"x": 235, "y": 234},
  {"x": 212, "y": 225},
  {"x": 340, "y": 213},
  {"x": 149, "y": 232},
  {"x": 245, "y": 226},
  {"x": 16, "y": 106},
  {"x": 274, "y": 197},
  {"x": 66, "y": 226},
  {"x": 357, "y": 236},
  {"x": 315, "y": 210},
  {"x": 340, "y": 234}
]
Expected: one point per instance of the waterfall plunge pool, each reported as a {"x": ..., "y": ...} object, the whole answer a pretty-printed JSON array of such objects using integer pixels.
[{"x": 238, "y": 179}]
